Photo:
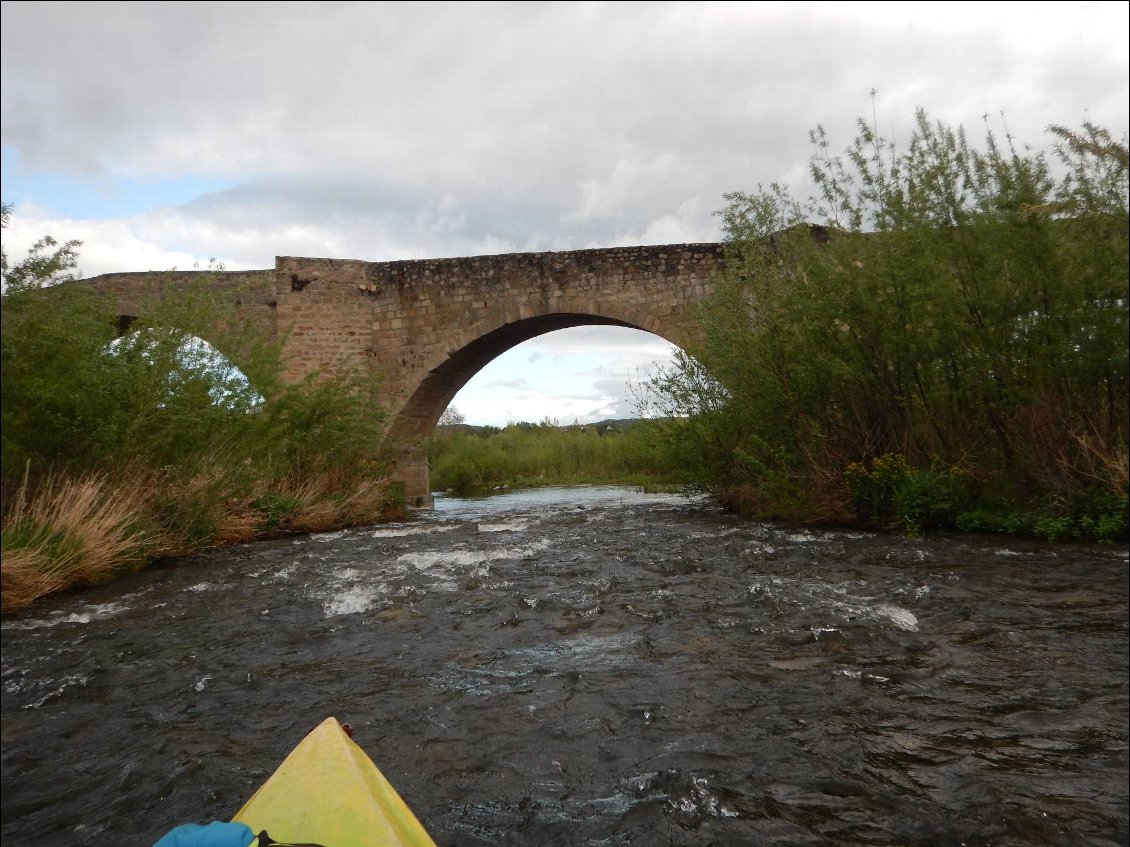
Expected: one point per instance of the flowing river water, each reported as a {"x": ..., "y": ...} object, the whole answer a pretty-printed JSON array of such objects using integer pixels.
[{"x": 592, "y": 667}]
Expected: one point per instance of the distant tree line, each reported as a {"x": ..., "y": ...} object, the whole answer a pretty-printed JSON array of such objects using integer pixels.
[{"x": 468, "y": 459}]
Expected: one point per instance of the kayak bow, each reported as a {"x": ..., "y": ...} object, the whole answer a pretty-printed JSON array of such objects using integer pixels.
[{"x": 327, "y": 791}]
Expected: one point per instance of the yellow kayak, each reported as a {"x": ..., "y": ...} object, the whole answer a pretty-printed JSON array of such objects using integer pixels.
[{"x": 328, "y": 792}]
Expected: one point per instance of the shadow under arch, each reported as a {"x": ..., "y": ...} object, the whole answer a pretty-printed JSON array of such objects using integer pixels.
[{"x": 415, "y": 421}]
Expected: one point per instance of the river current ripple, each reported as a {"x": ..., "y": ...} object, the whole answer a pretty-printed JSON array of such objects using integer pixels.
[{"x": 592, "y": 667}]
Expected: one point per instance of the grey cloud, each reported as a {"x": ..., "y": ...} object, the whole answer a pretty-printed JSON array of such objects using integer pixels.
[
  {"x": 608, "y": 340},
  {"x": 410, "y": 130},
  {"x": 516, "y": 382},
  {"x": 378, "y": 220}
]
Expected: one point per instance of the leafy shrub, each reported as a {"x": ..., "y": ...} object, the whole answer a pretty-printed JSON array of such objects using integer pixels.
[
  {"x": 918, "y": 498},
  {"x": 1102, "y": 518},
  {"x": 275, "y": 508},
  {"x": 952, "y": 306}
]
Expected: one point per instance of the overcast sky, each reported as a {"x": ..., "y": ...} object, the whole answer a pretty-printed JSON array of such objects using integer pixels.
[{"x": 165, "y": 134}]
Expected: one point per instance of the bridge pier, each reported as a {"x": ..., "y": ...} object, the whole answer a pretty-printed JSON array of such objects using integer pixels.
[{"x": 411, "y": 471}]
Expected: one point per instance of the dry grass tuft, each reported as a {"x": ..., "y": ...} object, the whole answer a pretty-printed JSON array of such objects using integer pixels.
[
  {"x": 67, "y": 532},
  {"x": 1106, "y": 464},
  {"x": 370, "y": 503},
  {"x": 238, "y": 524},
  {"x": 328, "y": 502}
]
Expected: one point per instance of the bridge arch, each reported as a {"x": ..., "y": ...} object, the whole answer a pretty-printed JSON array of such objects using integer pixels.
[
  {"x": 429, "y": 325},
  {"x": 418, "y": 416}
]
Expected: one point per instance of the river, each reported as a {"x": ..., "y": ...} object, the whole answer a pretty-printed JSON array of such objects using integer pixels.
[{"x": 592, "y": 666}]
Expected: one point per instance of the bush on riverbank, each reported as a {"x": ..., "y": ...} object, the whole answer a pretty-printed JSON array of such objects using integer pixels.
[
  {"x": 938, "y": 338},
  {"x": 116, "y": 453},
  {"x": 467, "y": 461}
]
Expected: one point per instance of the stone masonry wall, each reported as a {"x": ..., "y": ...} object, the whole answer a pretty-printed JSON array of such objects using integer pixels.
[
  {"x": 251, "y": 292},
  {"x": 411, "y": 318}
]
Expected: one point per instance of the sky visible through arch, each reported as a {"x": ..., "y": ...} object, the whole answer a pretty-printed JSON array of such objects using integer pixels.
[{"x": 163, "y": 135}]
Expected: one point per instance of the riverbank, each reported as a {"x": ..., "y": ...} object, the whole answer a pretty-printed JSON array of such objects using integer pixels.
[
  {"x": 888, "y": 491},
  {"x": 74, "y": 533},
  {"x": 122, "y": 449},
  {"x": 935, "y": 337},
  {"x": 71, "y": 532},
  {"x": 476, "y": 460}
]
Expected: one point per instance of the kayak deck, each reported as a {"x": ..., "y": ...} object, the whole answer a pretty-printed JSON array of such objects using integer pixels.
[{"x": 329, "y": 792}]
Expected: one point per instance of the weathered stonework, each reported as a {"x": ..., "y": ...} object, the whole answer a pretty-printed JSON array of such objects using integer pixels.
[
  {"x": 251, "y": 292},
  {"x": 430, "y": 325}
]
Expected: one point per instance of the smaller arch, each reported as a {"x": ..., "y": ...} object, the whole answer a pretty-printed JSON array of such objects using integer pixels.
[{"x": 189, "y": 357}]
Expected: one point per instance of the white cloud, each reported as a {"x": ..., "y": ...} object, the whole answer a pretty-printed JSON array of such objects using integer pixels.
[{"x": 107, "y": 245}]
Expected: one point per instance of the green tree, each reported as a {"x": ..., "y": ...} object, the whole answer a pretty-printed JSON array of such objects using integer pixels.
[
  {"x": 451, "y": 417},
  {"x": 53, "y": 403},
  {"x": 47, "y": 263}
]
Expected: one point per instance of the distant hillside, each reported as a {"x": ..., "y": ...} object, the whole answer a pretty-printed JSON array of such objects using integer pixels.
[{"x": 613, "y": 424}]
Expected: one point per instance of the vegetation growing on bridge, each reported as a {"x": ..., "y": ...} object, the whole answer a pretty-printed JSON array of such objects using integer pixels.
[
  {"x": 937, "y": 338},
  {"x": 115, "y": 455}
]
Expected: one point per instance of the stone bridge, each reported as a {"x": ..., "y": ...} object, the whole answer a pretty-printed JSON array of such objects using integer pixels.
[{"x": 430, "y": 325}]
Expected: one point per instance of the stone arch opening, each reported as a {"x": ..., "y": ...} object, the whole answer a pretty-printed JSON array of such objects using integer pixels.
[
  {"x": 579, "y": 375},
  {"x": 413, "y": 424},
  {"x": 188, "y": 358},
  {"x": 418, "y": 416}
]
